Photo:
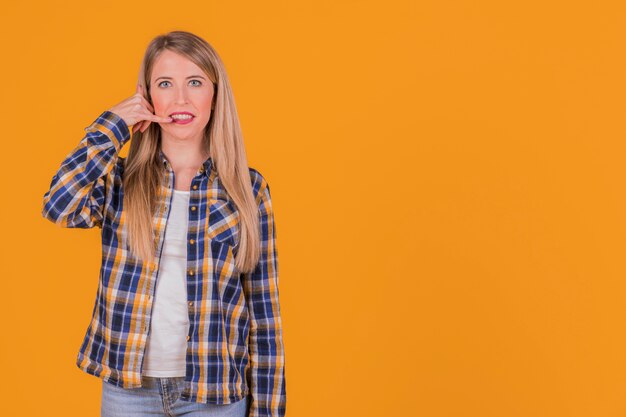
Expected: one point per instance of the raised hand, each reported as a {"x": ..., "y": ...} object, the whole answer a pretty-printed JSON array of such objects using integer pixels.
[{"x": 137, "y": 112}]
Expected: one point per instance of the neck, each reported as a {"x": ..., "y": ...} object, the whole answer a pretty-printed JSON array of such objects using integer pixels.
[{"x": 184, "y": 154}]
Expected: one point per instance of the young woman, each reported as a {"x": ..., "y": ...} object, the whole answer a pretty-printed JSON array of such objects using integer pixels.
[{"x": 187, "y": 317}]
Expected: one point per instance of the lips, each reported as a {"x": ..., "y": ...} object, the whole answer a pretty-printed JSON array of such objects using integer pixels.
[{"x": 183, "y": 122}]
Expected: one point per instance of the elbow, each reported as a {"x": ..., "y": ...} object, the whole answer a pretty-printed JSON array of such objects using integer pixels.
[{"x": 48, "y": 212}]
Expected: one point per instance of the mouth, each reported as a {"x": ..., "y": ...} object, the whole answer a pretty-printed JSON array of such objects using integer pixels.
[{"x": 182, "y": 118}]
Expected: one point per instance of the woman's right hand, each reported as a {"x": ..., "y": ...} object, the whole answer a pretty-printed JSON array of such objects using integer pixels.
[{"x": 137, "y": 112}]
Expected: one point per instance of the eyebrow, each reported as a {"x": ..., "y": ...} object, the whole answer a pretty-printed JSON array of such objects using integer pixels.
[{"x": 191, "y": 76}]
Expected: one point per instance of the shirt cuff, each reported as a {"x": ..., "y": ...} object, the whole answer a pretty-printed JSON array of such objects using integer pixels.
[{"x": 111, "y": 125}]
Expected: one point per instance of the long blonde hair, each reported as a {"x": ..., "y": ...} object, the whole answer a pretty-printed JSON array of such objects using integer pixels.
[{"x": 144, "y": 174}]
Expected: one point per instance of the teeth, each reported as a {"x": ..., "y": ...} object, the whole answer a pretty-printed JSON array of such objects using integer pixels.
[{"x": 181, "y": 116}]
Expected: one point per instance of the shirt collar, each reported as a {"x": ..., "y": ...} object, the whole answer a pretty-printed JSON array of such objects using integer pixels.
[{"x": 204, "y": 169}]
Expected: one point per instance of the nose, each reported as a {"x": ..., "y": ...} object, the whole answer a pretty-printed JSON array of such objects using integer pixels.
[{"x": 181, "y": 95}]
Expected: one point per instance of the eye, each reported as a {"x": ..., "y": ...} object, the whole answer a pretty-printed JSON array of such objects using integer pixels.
[{"x": 197, "y": 81}]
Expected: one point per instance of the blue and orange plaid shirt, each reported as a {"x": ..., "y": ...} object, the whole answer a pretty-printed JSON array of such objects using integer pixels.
[{"x": 235, "y": 344}]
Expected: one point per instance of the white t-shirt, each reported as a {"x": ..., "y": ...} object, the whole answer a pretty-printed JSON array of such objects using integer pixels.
[{"x": 167, "y": 341}]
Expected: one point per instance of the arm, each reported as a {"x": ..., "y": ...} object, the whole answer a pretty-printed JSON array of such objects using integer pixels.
[
  {"x": 77, "y": 191},
  {"x": 267, "y": 358}
]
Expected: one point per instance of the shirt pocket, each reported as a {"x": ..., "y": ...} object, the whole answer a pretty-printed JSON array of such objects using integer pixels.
[{"x": 223, "y": 224}]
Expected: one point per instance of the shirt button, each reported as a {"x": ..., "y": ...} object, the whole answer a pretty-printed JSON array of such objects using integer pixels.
[
  {"x": 195, "y": 187},
  {"x": 191, "y": 241},
  {"x": 187, "y": 337},
  {"x": 193, "y": 208},
  {"x": 191, "y": 303},
  {"x": 190, "y": 272}
]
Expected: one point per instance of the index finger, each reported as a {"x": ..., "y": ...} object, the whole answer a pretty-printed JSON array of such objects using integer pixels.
[{"x": 158, "y": 119}]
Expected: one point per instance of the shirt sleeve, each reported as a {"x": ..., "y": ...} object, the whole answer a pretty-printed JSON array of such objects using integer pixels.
[
  {"x": 266, "y": 376},
  {"x": 77, "y": 191}
]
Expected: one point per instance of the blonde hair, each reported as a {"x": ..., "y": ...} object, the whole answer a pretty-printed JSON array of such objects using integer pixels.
[{"x": 144, "y": 172}]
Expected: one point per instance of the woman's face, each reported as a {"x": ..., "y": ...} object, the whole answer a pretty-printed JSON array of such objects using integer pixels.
[{"x": 179, "y": 85}]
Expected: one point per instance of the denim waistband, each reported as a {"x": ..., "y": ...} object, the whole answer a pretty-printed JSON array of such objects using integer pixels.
[{"x": 153, "y": 381}]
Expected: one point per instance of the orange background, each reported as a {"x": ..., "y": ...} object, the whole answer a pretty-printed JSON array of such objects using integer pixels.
[{"x": 448, "y": 184}]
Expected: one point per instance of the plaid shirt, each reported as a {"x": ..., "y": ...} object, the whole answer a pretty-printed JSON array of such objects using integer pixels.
[{"x": 234, "y": 344}]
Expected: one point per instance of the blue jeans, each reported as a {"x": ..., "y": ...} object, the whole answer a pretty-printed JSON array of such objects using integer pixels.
[{"x": 160, "y": 397}]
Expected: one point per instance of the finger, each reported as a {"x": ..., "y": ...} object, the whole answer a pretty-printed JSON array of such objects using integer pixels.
[
  {"x": 145, "y": 125},
  {"x": 141, "y": 126},
  {"x": 144, "y": 101},
  {"x": 147, "y": 104},
  {"x": 147, "y": 116},
  {"x": 160, "y": 119}
]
